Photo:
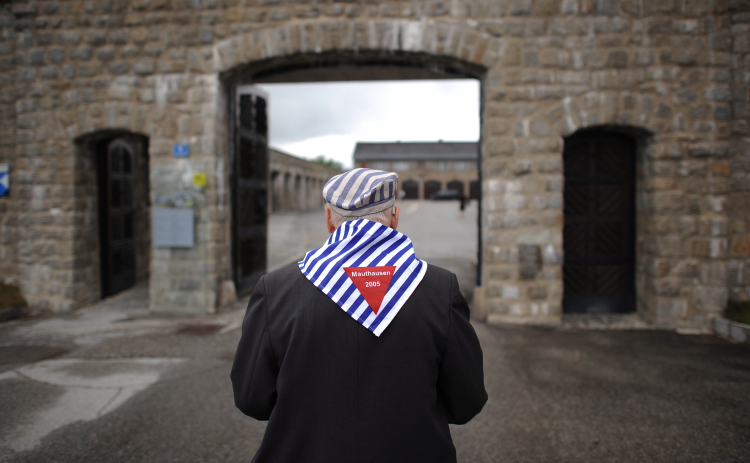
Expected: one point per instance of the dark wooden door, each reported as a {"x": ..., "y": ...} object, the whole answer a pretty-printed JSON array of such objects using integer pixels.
[
  {"x": 116, "y": 216},
  {"x": 411, "y": 189},
  {"x": 249, "y": 188},
  {"x": 598, "y": 236}
]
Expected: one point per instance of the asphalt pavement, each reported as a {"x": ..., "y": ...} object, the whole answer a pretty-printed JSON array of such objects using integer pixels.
[
  {"x": 554, "y": 395},
  {"x": 114, "y": 383}
]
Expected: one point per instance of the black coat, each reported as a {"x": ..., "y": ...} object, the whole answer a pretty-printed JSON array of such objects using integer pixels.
[{"x": 334, "y": 392}]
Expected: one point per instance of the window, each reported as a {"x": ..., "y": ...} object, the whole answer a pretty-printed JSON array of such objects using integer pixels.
[
  {"x": 441, "y": 166},
  {"x": 401, "y": 166},
  {"x": 380, "y": 165},
  {"x": 461, "y": 166}
]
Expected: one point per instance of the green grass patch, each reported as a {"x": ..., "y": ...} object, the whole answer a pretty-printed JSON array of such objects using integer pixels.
[
  {"x": 738, "y": 311},
  {"x": 10, "y": 296}
]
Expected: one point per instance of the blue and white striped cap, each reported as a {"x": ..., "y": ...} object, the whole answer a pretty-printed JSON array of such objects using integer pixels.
[{"x": 360, "y": 192}]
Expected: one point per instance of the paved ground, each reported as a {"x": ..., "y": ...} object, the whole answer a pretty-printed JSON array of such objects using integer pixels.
[
  {"x": 158, "y": 390},
  {"x": 442, "y": 236},
  {"x": 112, "y": 383}
]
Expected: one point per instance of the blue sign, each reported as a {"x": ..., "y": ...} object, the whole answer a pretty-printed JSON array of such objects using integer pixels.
[
  {"x": 4, "y": 179},
  {"x": 181, "y": 151},
  {"x": 3, "y": 184}
]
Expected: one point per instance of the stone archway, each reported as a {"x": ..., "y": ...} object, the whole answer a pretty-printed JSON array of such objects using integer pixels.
[
  {"x": 362, "y": 50},
  {"x": 599, "y": 223},
  {"x": 539, "y": 248},
  {"x": 297, "y": 46}
]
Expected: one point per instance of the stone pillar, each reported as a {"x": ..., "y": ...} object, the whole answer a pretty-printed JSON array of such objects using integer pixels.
[
  {"x": 273, "y": 199},
  {"x": 289, "y": 192},
  {"x": 298, "y": 192},
  {"x": 737, "y": 169},
  {"x": 308, "y": 193},
  {"x": 186, "y": 279}
]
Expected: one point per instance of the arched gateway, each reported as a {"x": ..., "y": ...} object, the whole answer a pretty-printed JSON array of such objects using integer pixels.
[
  {"x": 356, "y": 57},
  {"x": 541, "y": 82}
]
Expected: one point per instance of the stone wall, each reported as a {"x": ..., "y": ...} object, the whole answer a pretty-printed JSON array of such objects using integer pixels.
[
  {"x": 185, "y": 109},
  {"x": 672, "y": 72},
  {"x": 738, "y": 204}
]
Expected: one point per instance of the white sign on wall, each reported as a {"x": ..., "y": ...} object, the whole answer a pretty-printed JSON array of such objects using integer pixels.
[{"x": 172, "y": 228}]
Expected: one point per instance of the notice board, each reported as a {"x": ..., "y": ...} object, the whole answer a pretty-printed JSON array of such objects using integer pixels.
[{"x": 172, "y": 228}]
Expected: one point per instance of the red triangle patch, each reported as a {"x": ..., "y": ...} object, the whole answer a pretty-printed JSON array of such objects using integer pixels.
[{"x": 372, "y": 283}]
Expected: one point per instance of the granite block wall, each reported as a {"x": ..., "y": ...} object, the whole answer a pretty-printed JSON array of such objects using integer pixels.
[{"x": 671, "y": 73}]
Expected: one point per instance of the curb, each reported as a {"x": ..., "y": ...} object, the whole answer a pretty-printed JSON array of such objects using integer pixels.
[
  {"x": 11, "y": 313},
  {"x": 737, "y": 332}
]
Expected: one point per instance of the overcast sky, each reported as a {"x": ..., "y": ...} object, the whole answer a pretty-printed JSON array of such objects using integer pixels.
[{"x": 329, "y": 118}]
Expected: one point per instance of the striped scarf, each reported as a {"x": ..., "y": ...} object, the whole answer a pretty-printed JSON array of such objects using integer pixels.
[{"x": 364, "y": 247}]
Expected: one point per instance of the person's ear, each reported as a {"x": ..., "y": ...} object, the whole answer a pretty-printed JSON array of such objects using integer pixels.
[
  {"x": 394, "y": 218},
  {"x": 329, "y": 224}
]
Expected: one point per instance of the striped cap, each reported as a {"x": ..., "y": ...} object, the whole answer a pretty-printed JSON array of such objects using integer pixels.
[{"x": 360, "y": 192}]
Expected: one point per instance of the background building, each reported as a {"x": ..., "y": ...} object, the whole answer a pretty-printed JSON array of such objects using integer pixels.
[
  {"x": 296, "y": 184},
  {"x": 633, "y": 111},
  {"x": 425, "y": 168}
]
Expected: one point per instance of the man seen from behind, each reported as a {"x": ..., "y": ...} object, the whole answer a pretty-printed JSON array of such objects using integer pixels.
[{"x": 361, "y": 352}]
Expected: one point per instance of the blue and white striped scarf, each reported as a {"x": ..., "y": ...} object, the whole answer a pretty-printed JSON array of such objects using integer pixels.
[{"x": 365, "y": 243}]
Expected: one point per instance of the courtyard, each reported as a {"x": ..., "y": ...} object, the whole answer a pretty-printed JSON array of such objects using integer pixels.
[
  {"x": 114, "y": 383},
  {"x": 554, "y": 394}
]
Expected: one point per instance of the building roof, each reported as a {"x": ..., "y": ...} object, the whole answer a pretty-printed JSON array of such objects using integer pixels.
[
  {"x": 416, "y": 151},
  {"x": 281, "y": 160}
]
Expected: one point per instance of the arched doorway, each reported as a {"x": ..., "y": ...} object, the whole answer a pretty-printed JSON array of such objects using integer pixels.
[
  {"x": 117, "y": 216},
  {"x": 430, "y": 188},
  {"x": 119, "y": 178},
  {"x": 599, "y": 223},
  {"x": 456, "y": 186},
  {"x": 411, "y": 189}
]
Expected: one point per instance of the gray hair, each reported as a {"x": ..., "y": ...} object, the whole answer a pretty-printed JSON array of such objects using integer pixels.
[{"x": 383, "y": 217}]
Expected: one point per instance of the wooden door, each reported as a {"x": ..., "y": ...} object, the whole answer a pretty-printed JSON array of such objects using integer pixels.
[
  {"x": 116, "y": 216},
  {"x": 249, "y": 187},
  {"x": 598, "y": 235},
  {"x": 411, "y": 189}
]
